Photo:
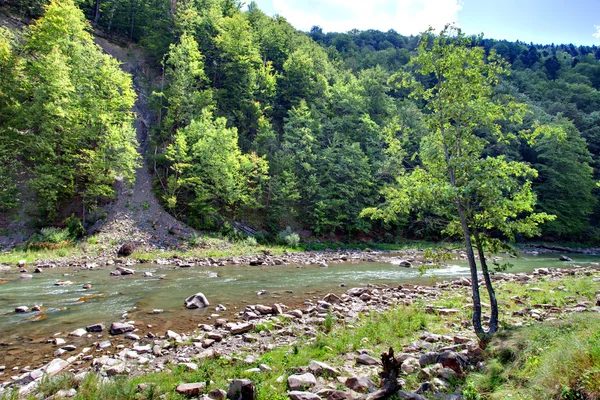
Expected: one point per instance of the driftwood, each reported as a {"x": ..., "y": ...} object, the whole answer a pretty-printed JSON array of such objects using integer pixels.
[{"x": 389, "y": 377}]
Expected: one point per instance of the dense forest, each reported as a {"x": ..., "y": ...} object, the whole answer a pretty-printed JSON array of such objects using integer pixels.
[{"x": 260, "y": 123}]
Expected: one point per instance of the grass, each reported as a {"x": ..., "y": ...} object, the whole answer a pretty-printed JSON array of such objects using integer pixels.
[{"x": 556, "y": 360}]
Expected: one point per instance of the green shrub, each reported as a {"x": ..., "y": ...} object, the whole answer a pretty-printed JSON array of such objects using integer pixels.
[
  {"x": 288, "y": 237},
  {"x": 55, "y": 235},
  {"x": 250, "y": 241},
  {"x": 75, "y": 227}
]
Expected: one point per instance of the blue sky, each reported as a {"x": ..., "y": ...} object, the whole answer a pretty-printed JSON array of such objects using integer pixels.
[{"x": 538, "y": 21}]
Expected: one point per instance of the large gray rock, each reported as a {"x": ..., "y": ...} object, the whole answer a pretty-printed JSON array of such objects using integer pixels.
[
  {"x": 319, "y": 368},
  {"x": 55, "y": 366},
  {"x": 78, "y": 332},
  {"x": 240, "y": 328},
  {"x": 409, "y": 396},
  {"x": 366, "y": 359},
  {"x": 264, "y": 310},
  {"x": 455, "y": 361},
  {"x": 332, "y": 394},
  {"x": 126, "y": 271},
  {"x": 117, "y": 328},
  {"x": 241, "y": 389},
  {"x": 297, "y": 395},
  {"x": 360, "y": 384},
  {"x": 302, "y": 382},
  {"x": 126, "y": 249},
  {"x": 197, "y": 300},
  {"x": 22, "y": 309},
  {"x": 95, "y": 328},
  {"x": 191, "y": 389}
]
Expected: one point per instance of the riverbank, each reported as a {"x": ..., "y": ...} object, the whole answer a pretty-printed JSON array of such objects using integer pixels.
[{"x": 267, "y": 342}]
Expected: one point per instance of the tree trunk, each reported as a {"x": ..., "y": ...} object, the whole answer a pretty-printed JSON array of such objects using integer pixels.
[
  {"x": 97, "y": 12},
  {"x": 389, "y": 377},
  {"x": 488, "y": 284},
  {"x": 133, "y": 4},
  {"x": 479, "y": 331}
]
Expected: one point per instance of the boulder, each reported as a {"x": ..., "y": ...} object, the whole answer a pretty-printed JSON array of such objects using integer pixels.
[
  {"x": 117, "y": 328},
  {"x": 332, "y": 394},
  {"x": 565, "y": 258},
  {"x": 240, "y": 328},
  {"x": 22, "y": 309},
  {"x": 173, "y": 335},
  {"x": 356, "y": 292},
  {"x": 455, "y": 361},
  {"x": 191, "y": 389},
  {"x": 410, "y": 365},
  {"x": 360, "y": 384},
  {"x": 264, "y": 310},
  {"x": 277, "y": 310},
  {"x": 296, "y": 395},
  {"x": 366, "y": 359},
  {"x": 302, "y": 382},
  {"x": 403, "y": 395},
  {"x": 404, "y": 263},
  {"x": 332, "y": 299},
  {"x": 126, "y": 249},
  {"x": 428, "y": 358},
  {"x": 241, "y": 389},
  {"x": 95, "y": 328},
  {"x": 217, "y": 394},
  {"x": 125, "y": 271},
  {"x": 55, "y": 366},
  {"x": 319, "y": 368},
  {"x": 78, "y": 332},
  {"x": 197, "y": 300}
]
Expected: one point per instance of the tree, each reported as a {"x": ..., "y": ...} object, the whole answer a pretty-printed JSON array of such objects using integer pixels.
[
  {"x": 187, "y": 93},
  {"x": 75, "y": 121},
  {"x": 209, "y": 172},
  {"x": 476, "y": 194},
  {"x": 565, "y": 185}
]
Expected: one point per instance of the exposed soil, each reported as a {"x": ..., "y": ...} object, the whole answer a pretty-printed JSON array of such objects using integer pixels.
[{"x": 136, "y": 214}]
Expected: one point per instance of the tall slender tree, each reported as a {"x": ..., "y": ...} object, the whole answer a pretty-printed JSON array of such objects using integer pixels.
[{"x": 476, "y": 194}]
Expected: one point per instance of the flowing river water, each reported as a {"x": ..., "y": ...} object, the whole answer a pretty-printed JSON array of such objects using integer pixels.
[{"x": 66, "y": 308}]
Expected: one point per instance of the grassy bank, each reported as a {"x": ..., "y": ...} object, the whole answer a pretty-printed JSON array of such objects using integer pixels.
[
  {"x": 200, "y": 247},
  {"x": 558, "y": 359}
]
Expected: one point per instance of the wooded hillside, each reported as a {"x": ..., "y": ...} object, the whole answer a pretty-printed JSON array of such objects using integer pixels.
[{"x": 261, "y": 123}]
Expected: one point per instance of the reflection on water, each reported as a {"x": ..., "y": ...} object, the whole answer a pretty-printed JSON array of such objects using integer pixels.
[{"x": 65, "y": 308}]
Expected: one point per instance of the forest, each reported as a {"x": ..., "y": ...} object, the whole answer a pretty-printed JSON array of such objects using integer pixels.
[{"x": 259, "y": 123}]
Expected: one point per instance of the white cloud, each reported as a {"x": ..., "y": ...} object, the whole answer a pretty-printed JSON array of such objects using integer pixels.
[
  {"x": 405, "y": 16},
  {"x": 597, "y": 34}
]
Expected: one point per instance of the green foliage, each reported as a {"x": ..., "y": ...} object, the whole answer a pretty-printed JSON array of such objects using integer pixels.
[
  {"x": 75, "y": 227},
  {"x": 559, "y": 360},
  {"x": 288, "y": 237},
  {"x": 209, "y": 173},
  {"x": 566, "y": 183},
  {"x": 75, "y": 127}
]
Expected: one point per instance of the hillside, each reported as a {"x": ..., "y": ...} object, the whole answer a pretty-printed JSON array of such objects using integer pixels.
[{"x": 259, "y": 123}]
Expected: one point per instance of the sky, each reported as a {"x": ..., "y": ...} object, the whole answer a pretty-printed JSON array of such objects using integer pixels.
[{"x": 537, "y": 21}]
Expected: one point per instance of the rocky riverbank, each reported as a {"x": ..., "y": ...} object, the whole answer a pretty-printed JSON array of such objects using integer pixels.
[{"x": 130, "y": 349}]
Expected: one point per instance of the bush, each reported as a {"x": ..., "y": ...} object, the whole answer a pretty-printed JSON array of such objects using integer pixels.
[
  {"x": 288, "y": 237},
  {"x": 250, "y": 241},
  {"x": 55, "y": 235},
  {"x": 75, "y": 227},
  {"x": 50, "y": 238}
]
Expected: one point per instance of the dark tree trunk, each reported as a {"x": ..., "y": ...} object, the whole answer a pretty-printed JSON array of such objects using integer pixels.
[
  {"x": 97, "y": 12},
  {"x": 488, "y": 284},
  {"x": 389, "y": 377}
]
